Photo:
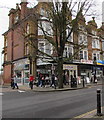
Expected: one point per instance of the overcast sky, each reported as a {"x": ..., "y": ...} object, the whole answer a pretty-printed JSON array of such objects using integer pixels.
[{"x": 5, "y": 6}]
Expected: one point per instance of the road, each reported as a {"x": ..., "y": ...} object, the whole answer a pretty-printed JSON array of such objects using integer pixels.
[{"x": 60, "y": 104}]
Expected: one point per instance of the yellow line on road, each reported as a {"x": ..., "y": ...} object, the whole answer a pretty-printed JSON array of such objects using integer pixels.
[{"x": 86, "y": 114}]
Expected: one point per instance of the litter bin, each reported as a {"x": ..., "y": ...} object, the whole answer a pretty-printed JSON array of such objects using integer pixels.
[{"x": 74, "y": 83}]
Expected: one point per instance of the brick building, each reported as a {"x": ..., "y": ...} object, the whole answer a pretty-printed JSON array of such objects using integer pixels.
[{"x": 18, "y": 51}]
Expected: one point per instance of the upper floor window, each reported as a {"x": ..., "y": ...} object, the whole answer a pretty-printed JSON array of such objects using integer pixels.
[
  {"x": 67, "y": 34},
  {"x": 42, "y": 11},
  {"x": 16, "y": 18},
  {"x": 48, "y": 48},
  {"x": 82, "y": 39},
  {"x": 96, "y": 55},
  {"x": 103, "y": 45},
  {"x": 26, "y": 49},
  {"x": 28, "y": 28},
  {"x": 68, "y": 52},
  {"x": 81, "y": 27},
  {"x": 95, "y": 43},
  {"x": 41, "y": 46},
  {"x": 5, "y": 57},
  {"x": 44, "y": 27},
  {"x": 83, "y": 54},
  {"x": 5, "y": 42}
]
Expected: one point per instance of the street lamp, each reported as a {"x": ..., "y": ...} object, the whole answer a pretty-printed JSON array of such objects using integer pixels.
[
  {"x": 95, "y": 69},
  {"x": 103, "y": 54}
]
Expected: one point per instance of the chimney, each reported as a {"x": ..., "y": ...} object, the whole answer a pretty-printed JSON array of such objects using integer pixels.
[
  {"x": 17, "y": 6},
  {"x": 11, "y": 17},
  {"x": 93, "y": 18},
  {"x": 23, "y": 8}
]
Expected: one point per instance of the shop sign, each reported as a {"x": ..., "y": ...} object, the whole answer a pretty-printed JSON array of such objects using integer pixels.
[
  {"x": 83, "y": 74},
  {"x": 76, "y": 61},
  {"x": 43, "y": 71},
  {"x": 69, "y": 67},
  {"x": 20, "y": 64},
  {"x": 100, "y": 62},
  {"x": 86, "y": 61}
]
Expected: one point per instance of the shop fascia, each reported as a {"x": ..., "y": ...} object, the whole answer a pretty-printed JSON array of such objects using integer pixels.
[{"x": 20, "y": 64}]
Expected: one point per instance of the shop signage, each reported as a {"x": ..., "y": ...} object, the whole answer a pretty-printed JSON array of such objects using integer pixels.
[
  {"x": 76, "y": 61},
  {"x": 86, "y": 61},
  {"x": 69, "y": 67},
  {"x": 100, "y": 62},
  {"x": 83, "y": 73},
  {"x": 20, "y": 64}
]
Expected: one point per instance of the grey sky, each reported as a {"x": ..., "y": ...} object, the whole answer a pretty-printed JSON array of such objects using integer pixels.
[{"x": 4, "y": 20}]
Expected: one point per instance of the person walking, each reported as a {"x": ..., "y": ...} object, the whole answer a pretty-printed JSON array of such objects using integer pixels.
[
  {"x": 43, "y": 81},
  {"x": 14, "y": 84},
  {"x": 31, "y": 79},
  {"x": 39, "y": 79},
  {"x": 53, "y": 81}
]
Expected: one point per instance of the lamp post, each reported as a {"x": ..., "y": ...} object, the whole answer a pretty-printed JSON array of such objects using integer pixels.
[
  {"x": 94, "y": 69},
  {"x": 103, "y": 54}
]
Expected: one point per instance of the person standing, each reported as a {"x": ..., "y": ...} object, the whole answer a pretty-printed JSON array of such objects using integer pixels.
[
  {"x": 31, "y": 79},
  {"x": 15, "y": 82}
]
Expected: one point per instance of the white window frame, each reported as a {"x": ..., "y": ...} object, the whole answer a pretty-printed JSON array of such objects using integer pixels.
[
  {"x": 83, "y": 54},
  {"x": 96, "y": 54},
  {"x": 82, "y": 39}
]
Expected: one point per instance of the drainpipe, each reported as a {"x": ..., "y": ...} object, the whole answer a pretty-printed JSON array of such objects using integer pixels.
[{"x": 12, "y": 38}]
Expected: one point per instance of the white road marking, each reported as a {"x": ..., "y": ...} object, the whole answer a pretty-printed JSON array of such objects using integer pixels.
[
  {"x": 1, "y": 93},
  {"x": 21, "y": 91}
]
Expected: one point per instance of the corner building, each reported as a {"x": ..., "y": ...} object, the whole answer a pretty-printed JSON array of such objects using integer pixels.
[{"x": 17, "y": 51}]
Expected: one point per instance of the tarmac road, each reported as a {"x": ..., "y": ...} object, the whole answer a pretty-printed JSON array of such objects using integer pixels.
[{"x": 60, "y": 104}]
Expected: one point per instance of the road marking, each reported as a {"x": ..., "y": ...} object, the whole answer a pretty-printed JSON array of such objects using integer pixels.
[
  {"x": 1, "y": 93},
  {"x": 88, "y": 114},
  {"x": 21, "y": 91}
]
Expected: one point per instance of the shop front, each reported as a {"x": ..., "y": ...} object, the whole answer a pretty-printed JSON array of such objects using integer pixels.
[
  {"x": 21, "y": 70},
  {"x": 87, "y": 69},
  {"x": 71, "y": 70}
]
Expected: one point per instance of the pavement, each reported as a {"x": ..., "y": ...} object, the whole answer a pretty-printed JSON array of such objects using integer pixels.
[{"x": 47, "y": 88}]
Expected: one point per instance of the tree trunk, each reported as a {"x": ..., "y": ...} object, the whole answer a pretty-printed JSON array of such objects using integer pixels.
[{"x": 60, "y": 72}]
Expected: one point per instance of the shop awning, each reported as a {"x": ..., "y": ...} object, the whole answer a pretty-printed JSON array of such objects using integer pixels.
[
  {"x": 100, "y": 62},
  {"x": 44, "y": 63}
]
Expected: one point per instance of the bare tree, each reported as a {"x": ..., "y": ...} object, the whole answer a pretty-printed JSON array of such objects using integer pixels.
[
  {"x": 58, "y": 18},
  {"x": 58, "y": 15}
]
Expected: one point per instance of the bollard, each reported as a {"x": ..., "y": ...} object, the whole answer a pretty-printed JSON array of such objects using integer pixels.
[{"x": 99, "y": 102}]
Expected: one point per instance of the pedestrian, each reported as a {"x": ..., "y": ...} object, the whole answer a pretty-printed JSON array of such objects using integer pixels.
[
  {"x": 46, "y": 80},
  {"x": 43, "y": 81},
  {"x": 39, "y": 79},
  {"x": 31, "y": 79},
  {"x": 12, "y": 83},
  {"x": 15, "y": 82},
  {"x": 67, "y": 78},
  {"x": 64, "y": 78},
  {"x": 53, "y": 81}
]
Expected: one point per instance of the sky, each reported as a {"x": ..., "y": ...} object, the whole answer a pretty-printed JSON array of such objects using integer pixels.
[{"x": 5, "y": 6}]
